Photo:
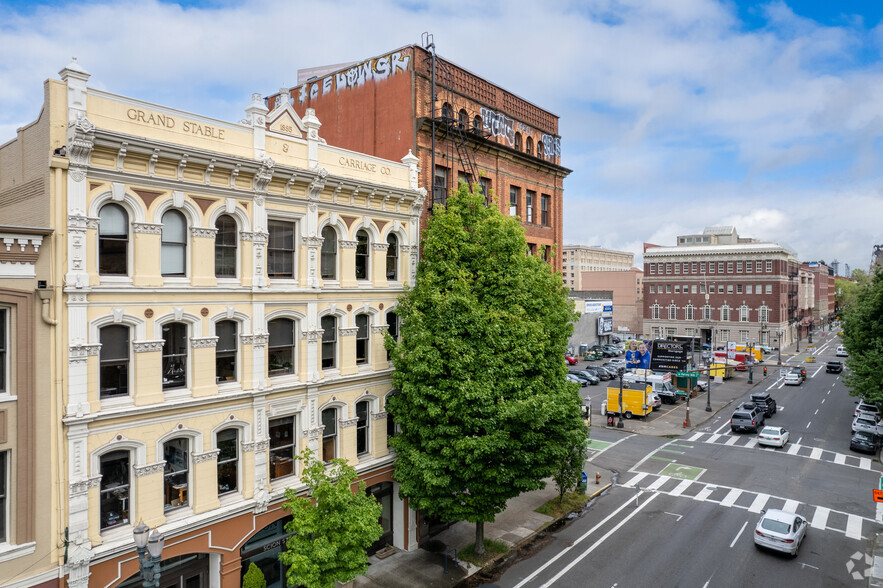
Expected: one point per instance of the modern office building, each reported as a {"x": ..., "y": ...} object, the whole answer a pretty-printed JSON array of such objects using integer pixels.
[{"x": 208, "y": 299}]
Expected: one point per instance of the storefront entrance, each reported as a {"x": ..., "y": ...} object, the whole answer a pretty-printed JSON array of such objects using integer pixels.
[
  {"x": 263, "y": 550},
  {"x": 184, "y": 571},
  {"x": 383, "y": 493}
]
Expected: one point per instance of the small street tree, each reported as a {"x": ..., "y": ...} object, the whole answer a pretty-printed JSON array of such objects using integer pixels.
[
  {"x": 483, "y": 405},
  {"x": 332, "y": 527},
  {"x": 569, "y": 461},
  {"x": 863, "y": 338}
]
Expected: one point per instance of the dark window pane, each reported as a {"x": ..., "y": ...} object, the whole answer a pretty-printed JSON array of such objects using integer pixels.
[
  {"x": 329, "y": 253},
  {"x": 113, "y": 240},
  {"x": 329, "y": 433},
  {"x": 4, "y": 499},
  {"x": 362, "y": 339},
  {"x": 225, "y": 351},
  {"x": 174, "y": 244},
  {"x": 282, "y": 447},
  {"x": 3, "y": 335},
  {"x": 176, "y": 473},
  {"x": 228, "y": 460},
  {"x": 329, "y": 341},
  {"x": 362, "y": 427},
  {"x": 114, "y": 489},
  {"x": 114, "y": 361},
  {"x": 361, "y": 255},
  {"x": 280, "y": 249},
  {"x": 392, "y": 257},
  {"x": 174, "y": 355},
  {"x": 225, "y": 247},
  {"x": 281, "y": 347}
]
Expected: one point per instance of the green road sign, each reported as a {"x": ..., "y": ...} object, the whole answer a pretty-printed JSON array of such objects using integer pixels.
[
  {"x": 687, "y": 374},
  {"x": 881, "y": 483}
]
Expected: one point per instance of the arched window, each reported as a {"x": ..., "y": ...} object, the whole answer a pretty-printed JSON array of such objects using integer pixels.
[
  {"x": 113, "y": 493},
  {"x": 706, "y": 312},
  {"x": 476, "y": 124},
  {"x": 362, "y": 409},
  {"x": 176, "y": 478},
  {"x": 463, "y": 118},
  {"x": 362, "y": 339},
  {"x": 743, "y": 314},
  {"x": 725, "y": 313},
  {"x": 113, "y": 240},
  {"x": 528, "y": 146},
  {"x": 654, "y": 311},
  {"x": 764, "y": 314},
  {"x": 280, "y": 347},
  {"x": 540, "y": 149},
  {"x": 225, "y": 351},
  {"x": 362, "y": 255},
  {"x": 174, "y": 355},
  {"x": 227, "y": 442},
  {"x": 329, "y": 342},
  {"x": 329, "y": 434},
  {"x": 329, "y": 254},
  {"x": 518, "y": 141},
  {"x": 174, "y": 244},
  {"x": 672, "y": 312},
  {"x": 447, "y": 112},
  {"x": 113, "y": 375},
  {"x": 689, "y": 312},
  {"x": 392, "y": 257},
  {"x": 225, "y": 247}
]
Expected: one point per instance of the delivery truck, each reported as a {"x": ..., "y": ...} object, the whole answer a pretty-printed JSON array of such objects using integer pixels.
[
  {"x": 661, "y": 384},
  {"x": 635, "y": 401}
]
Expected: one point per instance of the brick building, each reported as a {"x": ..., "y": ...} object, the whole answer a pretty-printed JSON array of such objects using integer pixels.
[
  {"x": 474, "y": 130},
  {"x": 627, "y": 290},
  {"x": 741, "y": 288},
  {"x": 578, "y": 259},
  {"x": 823, "y": 291}
]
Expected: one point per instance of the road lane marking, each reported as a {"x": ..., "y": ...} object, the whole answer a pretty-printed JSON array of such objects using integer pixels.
[
  {"x": 586, "y": 553},
  {"x": 714, "y": 438},
  {"x": 839, "y": 458},
  {"x": 732, "y": 440},
  {"x": 816, "y": 412},
  {"x": 662, "y": 458},
  {"x": 854, "y": 527},
  {"x": 864, "y": 463},
  {"x": 820, "y": 519},
  {"x": 759, "y": 502},
  {"x": 638, "y": 477},
  {"x": 724, "y": 426},
  {"x": 614, "y": 444},
  {"x": 808, "y": 424},
  {"x": 751, "y": 443},
  {"x": 695, "y": 437},
  {"x": 679, "y": 489},
  {"x": 823, "y": 400},
  {"x": 734, "y": 494},
  {"x": 600, "y": 525},
  {"x": 648, "y": 456},
  {"x": 795, "y": 447},
  {"x": 791, "y": 505},
  {"x": 815, "y": 372},
  {"x": 879, "y": 517},
  {"x": 816, "y": 453},
  {"x": 705, "y": 493},
  {"x": 657, "y": 484},
  {"x": 673, "y": 451},
  {"x": 736, "y": 538}
]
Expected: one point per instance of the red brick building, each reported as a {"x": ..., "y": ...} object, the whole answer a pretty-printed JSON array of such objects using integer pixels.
[
  {"x": 474, "y": 130},
  {"x": 739, "y": 288},
  {"x": 823, "y": 284}
]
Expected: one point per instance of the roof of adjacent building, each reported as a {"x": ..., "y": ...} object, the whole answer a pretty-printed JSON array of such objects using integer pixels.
[{"x": 756, "y": 247}]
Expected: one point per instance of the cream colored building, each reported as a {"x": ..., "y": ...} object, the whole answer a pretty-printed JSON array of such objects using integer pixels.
[
  {"x": 222, "y": 292},
  {"x": 581, "y": 258}
]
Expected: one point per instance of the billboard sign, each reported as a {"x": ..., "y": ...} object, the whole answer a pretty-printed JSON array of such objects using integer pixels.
[
  {"x": 605, "y": 325},
  {"x": 668, "y": 356},
  {"x": 598, "y": 306}
]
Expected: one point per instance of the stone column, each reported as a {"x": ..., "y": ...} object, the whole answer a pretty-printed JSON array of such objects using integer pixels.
[
  {"x": 204, "y": 381},
  {"x": 202, "y": 272},
  {"x": 147, "y": 368},
  {"x": 205, "y": 481}
]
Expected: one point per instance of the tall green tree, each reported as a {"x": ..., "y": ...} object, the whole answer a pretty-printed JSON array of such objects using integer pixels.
[
  {"x": 332, "y": 526},
  {"x": 862, "y": 324},
  {"x": 483, "y": 404}
]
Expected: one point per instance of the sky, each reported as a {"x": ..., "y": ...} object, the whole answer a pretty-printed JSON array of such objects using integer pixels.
[{"x": 675, "y": 115}]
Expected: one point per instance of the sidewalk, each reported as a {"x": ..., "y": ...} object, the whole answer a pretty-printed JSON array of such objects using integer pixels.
[{"x": 519, "y": 523}]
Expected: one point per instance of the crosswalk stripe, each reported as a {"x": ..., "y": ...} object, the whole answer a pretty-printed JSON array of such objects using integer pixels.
[
  {"x": 795, "y": 447},
  {"x": 791, "y": 505},
  {"x": 839, "y": 458},
  {"x": 714, "y": 438},
  {"x": 705, "y": 493},
  {"x": 820, "y": 518},
  {"x": 751, "y": 443},
  {"x": 696, "y": 437},
  {"x": 759, "y": 502},
  {"x": 864, "y": 463},
  {"x": 731, "y": 498},
  {"x": 816, "y": 453},
  {"x": 854, "y": 527},
  {"x": 638, "y": 477},
  {"x": 679, "y": 489},
  {"x": 732, "y": 440},
  {"x": 658, "y": 483}
]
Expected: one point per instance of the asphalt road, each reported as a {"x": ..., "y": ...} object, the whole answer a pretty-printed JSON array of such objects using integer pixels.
[{"x": 683, "y": 511}]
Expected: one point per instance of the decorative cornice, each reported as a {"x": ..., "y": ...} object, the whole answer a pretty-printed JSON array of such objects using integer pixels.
[
  {"x": 206, "y": 456},
  {"x": 79, "y": 353},
  {"x": 347, "y": 244},
  {"x": 264, "y": 175},
  {"x": 92, "y": 222},
  {"x": 147, "y": 228},
  {"x": 318, "y": 184},
  {"x": 205, "y": 232},
  {"x": 83, "y": 486},
  {"x": 79, "y": 149},
  {"x": 314, "y": 335},
  {"x": 348, "y": 332},
  {"x": 313, "y": 241},
  {"x": 255, "y": 237},
  {"x": 378, "y": 416},
  {"x": 314, "y": 433},
  {"x": 379, "y": 246},
  {"x": 379, "y": 329},
  {"x": 256, "y": 445},
  {"x": 258, "y": 340},
  {"x": 149, "y": 469},
  {"x": 347, "y": 423},
  {"x": 203, "y": 342},
  {"x": 142, "y": 346}
]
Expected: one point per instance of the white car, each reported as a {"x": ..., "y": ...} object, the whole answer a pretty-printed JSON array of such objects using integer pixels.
[
  {"x": 617, "y": 363},
  {"x": 793, "y": 380},
  {"x": 780, "y": 530},
  {"x": 867, "y": 425},
  {"x": 773, "y": 436},
  {"x": 841, "y": 351}
]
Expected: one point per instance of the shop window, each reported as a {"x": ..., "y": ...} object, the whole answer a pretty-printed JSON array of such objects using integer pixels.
[
  {"x": 280, "y": 347},
  {"x": 329, "y": 434},
  {"x": 174, "y": 355},
  {"x": 176, "y": 453},
  {"x": 113, "y": 373},
  {"x": 225, "y": 351},
  {"x": 174, "y": 244},
  {"x": 362, "y": 339},
  {"x": 362, "y": 427},
  {"x": 226, "y": 243},
  {"x": 113, "y": 240},
  {"x": 362, "y": 255},
  {"x": 283, "y": 447},
  {"x": 392, "y": 257},
  {"x": 227, "y": 442},
  {"x": 329, "y": 342},
  {"x": 113, "y": 491},
  {"x": 280, "y": 249}
]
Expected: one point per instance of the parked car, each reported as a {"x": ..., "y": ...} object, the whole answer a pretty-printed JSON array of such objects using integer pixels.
[
  {"x": 574, "y": 379},
  {"x": 766, "y": 403},
  {"x": 616, "y": 350},
  {"x": 793, "y": 379},
  {"x": 617, "y": 363},
  {"x": 780, "y": 530},
  {"x": 586, "y": 375},
  {"x": 598, "y": 371},
  {"x": 841, "y": 351},
  {"x": 748, "y": 418},
  {"x": 570, "y": 359},
  {"x": 868, "y": 425},
  {"x": 865, "y": 442},
  {"x": 834, "y": 367},
  {"x": 610, "y": 370},
  {"x": 773, "y": 436},
  {"x": 867, "y": 409}
]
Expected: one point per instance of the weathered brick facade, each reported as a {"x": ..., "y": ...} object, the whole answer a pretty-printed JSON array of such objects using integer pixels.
[{"x": 382, "y": 106}]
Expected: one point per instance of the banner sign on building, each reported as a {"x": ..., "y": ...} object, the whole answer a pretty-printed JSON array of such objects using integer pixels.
[
  {"x": 605, "y": 325},
  {"x": 668, "y": 356},
  {"x": 598, "y": 306}
]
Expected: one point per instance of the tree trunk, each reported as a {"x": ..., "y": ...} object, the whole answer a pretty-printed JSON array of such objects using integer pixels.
[{"x": 479, "y": 538}]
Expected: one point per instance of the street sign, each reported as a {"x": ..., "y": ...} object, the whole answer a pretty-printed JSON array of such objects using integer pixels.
[
  {"x": 881, "y": 483},
  {"x": 783, "y": 372},
  {"x": 693, "y": 375},
  {"x": 878, "y": 495}
]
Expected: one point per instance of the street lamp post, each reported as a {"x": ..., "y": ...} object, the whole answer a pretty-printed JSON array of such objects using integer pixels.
[
  {"x": 751, "y": 362},
  {"x": 779, "y": 344},
  {"x": 620, "y": 372},
  {"x": 711, "y": 363},
  {"x": 149, "y": 553}
]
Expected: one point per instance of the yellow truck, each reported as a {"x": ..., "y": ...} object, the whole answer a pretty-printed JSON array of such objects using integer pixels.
[{"x": 635, "y": 400}]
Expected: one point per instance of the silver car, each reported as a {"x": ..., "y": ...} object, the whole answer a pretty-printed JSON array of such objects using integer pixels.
[{"x": 780, "y": 530}]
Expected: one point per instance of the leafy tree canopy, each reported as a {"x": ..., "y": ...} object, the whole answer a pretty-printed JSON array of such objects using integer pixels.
[
  {"x": 863, "y": 338},
  {"x": 483, "y": 403},
  {"x": 332, "y": 526}
]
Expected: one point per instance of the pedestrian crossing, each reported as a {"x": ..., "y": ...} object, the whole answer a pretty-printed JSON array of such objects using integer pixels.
[
  {"x": 851, "y": 525},
  {"x": 816, "y": 453}
]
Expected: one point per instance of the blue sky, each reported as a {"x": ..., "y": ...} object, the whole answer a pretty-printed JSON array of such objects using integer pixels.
[{"x": 675, "y": 114}]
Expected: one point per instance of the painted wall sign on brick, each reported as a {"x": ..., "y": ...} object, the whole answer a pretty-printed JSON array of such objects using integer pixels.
[{"x": 371, "y": 69}]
